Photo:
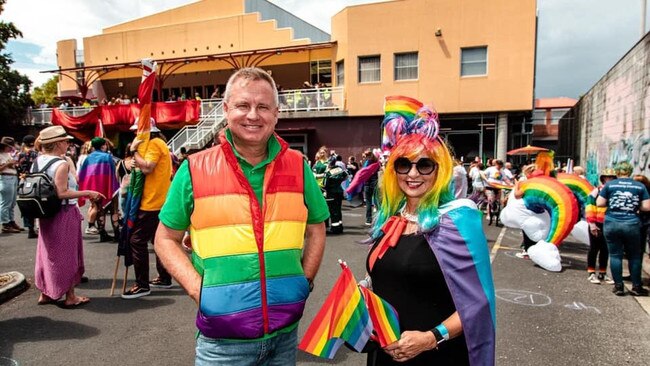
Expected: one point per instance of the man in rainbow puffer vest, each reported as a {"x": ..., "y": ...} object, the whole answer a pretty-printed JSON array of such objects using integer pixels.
[{"x": 249, "y": 203}]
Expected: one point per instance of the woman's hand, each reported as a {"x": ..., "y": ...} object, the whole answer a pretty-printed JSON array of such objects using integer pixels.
[
  {"x": 411, "y": 344},
  {"x": 134, "y": 145},
  {"x": 95, "y": 196}
]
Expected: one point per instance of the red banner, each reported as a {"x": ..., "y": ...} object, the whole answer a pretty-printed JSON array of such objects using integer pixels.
[{"x": 170, "y": 115}]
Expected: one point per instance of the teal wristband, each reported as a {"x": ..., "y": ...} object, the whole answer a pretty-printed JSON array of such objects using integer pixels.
[{"x": 443, "y": 331}]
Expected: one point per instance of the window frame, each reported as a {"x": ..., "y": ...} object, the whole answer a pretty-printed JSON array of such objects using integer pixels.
[
  {"x": 485, "y": 61},
  {"x": 359, "y": 71},
  {"x": 417, "y": 65},
  {"x": 340, "y": 77}
]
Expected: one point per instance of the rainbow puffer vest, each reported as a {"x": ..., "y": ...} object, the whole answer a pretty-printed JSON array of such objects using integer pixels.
[{"x": 249, "y": 257}]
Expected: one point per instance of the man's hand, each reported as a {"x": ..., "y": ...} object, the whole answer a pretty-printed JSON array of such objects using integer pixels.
[
  {"x": 313, "y": 250},
  {"x": 173, "y": 257}
]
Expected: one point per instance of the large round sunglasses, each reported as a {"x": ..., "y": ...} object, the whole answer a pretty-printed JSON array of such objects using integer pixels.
[{"x": 424, "y": 166}]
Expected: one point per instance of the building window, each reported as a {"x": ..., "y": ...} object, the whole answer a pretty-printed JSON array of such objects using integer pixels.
[
  {"x": 406, "y": 66},
  {"x": 321, "y": 72},
  {"x": 473, "y": 61},
  {"x": 369, "y": 69},
  {"x": 340, "y": 75}
]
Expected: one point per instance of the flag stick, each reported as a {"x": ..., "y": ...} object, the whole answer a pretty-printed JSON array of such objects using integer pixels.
[
  {"x": 126, "y": 275},
  {"x": 117, "y": 264}
]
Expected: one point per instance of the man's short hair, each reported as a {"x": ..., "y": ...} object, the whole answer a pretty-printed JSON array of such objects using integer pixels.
[{"x": 253, "y": 74}]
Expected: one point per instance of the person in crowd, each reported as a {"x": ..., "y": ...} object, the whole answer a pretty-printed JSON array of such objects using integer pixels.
[
  {"x": 26, "y": 157},
  {"x": 624, "y": 197},
  {"x": 123, "y": 173},
  {"x": 429, "y": 257},
  {"x": 334, "y": 176},
  {"x": 644, "y": 215},
  {"x": 320, "y": 164},
  {"x": 579, "y": 171},
  {"x": 478, "y": 185},
  {"x": 494, "y": 174},
  {"x": 98, "y": 173},
  {"x": 8, "y": 185},
  {"x": 256, "y": 217},
  {"x": 156, "y": 165},
  {"x": 595, "y": 216},
  {"x": 460, "y": 180},
  {"x": 59, "y": 263},
  {"x": 352, "y": 166},
  {"x": 370, "y": 185},
  {"x": 508, "y": 172}
]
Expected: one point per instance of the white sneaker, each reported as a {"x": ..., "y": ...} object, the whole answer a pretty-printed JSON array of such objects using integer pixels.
[
  {"x": 522, "y": 255},
  {"x": 91, "y": 230},
  {"x": 593, "y": 279},
  {"x": 605, "y": 278}
]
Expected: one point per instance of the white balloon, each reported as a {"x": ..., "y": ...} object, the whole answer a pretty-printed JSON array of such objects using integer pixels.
[
  {"x": 581, "y": 232},
  {"x": 545, "y": 255},
  {"x": 517, "y": 216}
]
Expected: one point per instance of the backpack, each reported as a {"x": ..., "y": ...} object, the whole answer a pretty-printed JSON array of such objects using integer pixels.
[{"x": 37, "y": 195}]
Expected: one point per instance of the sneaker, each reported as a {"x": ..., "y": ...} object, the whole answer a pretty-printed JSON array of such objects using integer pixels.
[
  {"x": 7, "y": 229},
  {"x": 32, "y": 234},
  {"x": 638, "y": 291},
  {"x": 593, "y": 279},
  {"x": 368, "y": 223},
  {"x": 91, "y": 230},
  {"x": 159, "y": 283},
  {"x": 619, "y": 290},
  {"x": 523, "y": 254},
  {"x": 15, "y": 226},
  {"x": 136, "y": 291},
  {"x": 605, "y": 278},
  {"x": 104, "y": 237}
]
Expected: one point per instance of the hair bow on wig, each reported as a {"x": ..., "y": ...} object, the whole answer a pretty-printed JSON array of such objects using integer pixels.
[{"x": 405, "y": 116}]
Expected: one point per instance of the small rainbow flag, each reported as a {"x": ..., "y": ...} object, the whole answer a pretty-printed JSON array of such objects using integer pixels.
[
  {"x": 384, "y": 318},
  {"x": 343, "y": 318},
  {"x": 401, "y": 105}
]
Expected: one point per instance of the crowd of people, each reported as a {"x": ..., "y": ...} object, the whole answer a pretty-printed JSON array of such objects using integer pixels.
[{"x": 254, "y": 215}]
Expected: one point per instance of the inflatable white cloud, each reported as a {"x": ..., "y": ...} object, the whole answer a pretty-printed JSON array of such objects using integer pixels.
[
  {"x": 581, "y": 232},
  {"x": 546, "y": 255},
  {"x": 515, "y": 215}
]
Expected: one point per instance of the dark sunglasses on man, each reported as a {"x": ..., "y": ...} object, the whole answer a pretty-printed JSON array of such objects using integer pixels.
[{"x": 424, "y": 166}]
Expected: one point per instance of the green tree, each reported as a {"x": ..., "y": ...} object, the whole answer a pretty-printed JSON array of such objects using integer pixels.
[
  {"x": 46, "y": 92},
  {"x": 14, "y": 87}
]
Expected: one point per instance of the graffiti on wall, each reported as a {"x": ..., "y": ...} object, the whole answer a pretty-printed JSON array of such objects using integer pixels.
[{"x": 634, "y": 150}]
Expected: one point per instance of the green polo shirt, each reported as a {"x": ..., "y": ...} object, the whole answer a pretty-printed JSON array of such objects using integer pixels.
[{"x": 179, "y": 204}]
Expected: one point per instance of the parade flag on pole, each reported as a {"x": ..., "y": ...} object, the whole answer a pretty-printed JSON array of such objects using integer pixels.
[
  {"x": 342, "y": 318},
  {"x": 134, "y": 193},
  {"x": 384, "y": 318}
]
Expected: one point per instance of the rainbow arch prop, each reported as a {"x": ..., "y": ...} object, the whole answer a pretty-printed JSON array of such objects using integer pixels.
[
  {"x": 580, "y": 187},
  {"x": 550, "y": 195}
]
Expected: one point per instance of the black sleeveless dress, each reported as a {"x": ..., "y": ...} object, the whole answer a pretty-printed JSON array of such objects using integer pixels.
[{"x": 409, "y": 278}]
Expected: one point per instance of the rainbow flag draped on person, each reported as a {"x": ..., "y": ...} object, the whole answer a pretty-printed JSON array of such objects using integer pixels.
[
  {"x": 342, "y": 318},
  {"x": 97, "y": 173},
  {"x": 134, "y": 193}
]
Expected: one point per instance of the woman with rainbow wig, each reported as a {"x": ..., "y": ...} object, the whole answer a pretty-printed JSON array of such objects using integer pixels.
[{"x": 429, "y": 257}]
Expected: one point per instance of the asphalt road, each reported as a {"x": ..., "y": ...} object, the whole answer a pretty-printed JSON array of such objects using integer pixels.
[{"x": 543, "y": 318}]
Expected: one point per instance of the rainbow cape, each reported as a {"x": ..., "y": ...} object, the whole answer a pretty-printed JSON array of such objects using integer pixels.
[
  {"x": 134, "y": 193},
  {"x": 342, "y": 318},
  {"x": 548, "y": 194},
  {"x": 580, "y": 187},
  {"x": 97, "y": 173},
  {"x": 383, "y": 316}
]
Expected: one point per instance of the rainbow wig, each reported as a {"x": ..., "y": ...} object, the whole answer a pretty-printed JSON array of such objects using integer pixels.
[{"x": 410, "y": 138}]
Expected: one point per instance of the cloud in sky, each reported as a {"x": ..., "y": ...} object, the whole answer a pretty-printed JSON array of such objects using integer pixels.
[{"x": 578, "y": 40}]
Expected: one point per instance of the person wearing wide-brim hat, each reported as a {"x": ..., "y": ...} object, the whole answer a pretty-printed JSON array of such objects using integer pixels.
[
  {"x": 8, "y": 185},
  {"x": 595, "y": 216},
  {"x": 59, "y": 262},
  {"x": 624, "y": 198}
]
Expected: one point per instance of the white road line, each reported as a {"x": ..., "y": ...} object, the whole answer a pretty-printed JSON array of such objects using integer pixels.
[{"x": 497, "y": 244}]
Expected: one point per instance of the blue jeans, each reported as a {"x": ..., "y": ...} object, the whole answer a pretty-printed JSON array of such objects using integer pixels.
[
  {"x": 624, "y": 237},
  {"x": 277, "y": 351},
  {"x": 8, "y": 187}
]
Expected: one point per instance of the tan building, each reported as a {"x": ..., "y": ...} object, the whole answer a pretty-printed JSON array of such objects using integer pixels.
[{"x": 473, "y": 60}]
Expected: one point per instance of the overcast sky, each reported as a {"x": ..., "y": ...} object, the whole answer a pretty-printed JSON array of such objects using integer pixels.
[{"x": 578, "y": 40}]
